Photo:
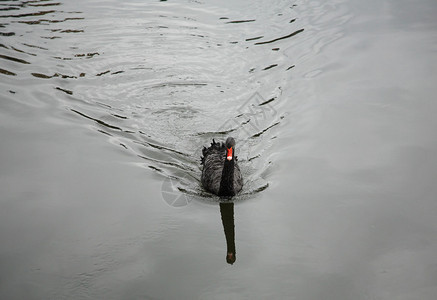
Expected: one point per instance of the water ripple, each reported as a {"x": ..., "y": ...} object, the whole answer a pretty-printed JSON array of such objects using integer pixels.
[
  {"x": 166, "y": 80},
  {"x": 280, "y": 38}
]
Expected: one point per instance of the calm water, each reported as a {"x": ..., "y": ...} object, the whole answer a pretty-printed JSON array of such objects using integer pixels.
[{"x": 106, "y": 105}]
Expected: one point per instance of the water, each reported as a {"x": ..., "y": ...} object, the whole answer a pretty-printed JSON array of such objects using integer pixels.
[{"x": 106, "y": 105}]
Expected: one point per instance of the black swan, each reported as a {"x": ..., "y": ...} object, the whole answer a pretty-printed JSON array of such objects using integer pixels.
[{"x": 221, "y": 174}]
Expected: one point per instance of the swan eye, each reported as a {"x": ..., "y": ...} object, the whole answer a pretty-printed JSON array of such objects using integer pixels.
[{"x": 229, "y": 155}]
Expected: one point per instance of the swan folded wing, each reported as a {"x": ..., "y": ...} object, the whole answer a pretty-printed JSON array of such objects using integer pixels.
[
  {"x": 212, "y": 171},
  {"x": 238, "y": 179}
]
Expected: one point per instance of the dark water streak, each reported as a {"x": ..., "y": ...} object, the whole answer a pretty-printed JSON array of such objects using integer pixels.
[{"x": 281, "y": 38}]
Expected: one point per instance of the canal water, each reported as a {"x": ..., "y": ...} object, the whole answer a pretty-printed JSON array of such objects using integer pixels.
[{"x": 105, "y": 107}]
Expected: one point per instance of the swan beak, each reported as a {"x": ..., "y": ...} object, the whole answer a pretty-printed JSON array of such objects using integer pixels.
[{"x": 229, "y": 155}]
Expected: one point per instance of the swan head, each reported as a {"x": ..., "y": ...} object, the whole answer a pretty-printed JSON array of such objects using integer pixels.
[{"x": 230, "y": 143}]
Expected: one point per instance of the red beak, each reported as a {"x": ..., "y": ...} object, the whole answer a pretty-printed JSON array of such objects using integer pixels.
[{"x": 229, "y": 155}]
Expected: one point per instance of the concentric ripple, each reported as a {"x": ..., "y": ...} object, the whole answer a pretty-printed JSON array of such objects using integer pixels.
[{"x": 165, "y": 80}]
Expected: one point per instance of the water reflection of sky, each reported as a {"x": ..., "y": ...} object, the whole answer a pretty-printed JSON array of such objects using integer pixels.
[{"x": 104, "y": 103}]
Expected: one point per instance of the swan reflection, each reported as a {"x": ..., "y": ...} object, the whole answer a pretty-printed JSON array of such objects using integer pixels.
[{"x": 227, "y": 213}]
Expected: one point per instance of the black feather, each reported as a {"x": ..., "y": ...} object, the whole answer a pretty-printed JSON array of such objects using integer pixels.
[{"x": 220, "y": 176}]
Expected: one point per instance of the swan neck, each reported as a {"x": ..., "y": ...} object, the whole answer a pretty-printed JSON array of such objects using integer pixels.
[{"x": 227, "y": 180}]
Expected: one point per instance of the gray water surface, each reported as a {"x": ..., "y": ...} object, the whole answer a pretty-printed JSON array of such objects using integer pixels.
[{"x": 106, "y": 105}]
